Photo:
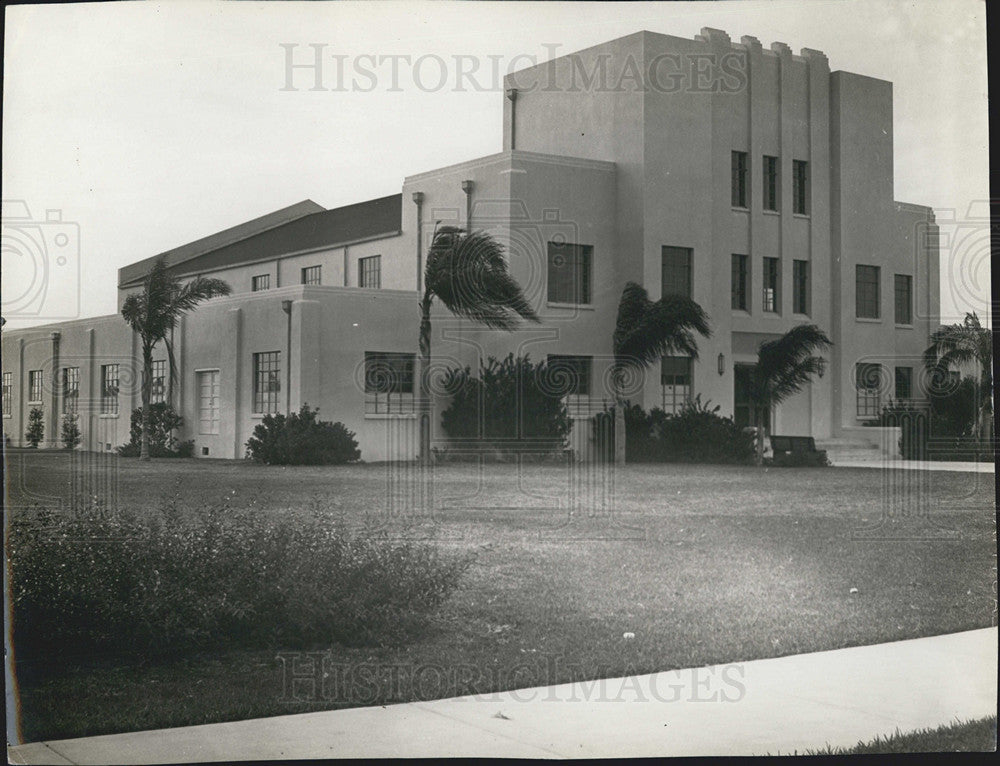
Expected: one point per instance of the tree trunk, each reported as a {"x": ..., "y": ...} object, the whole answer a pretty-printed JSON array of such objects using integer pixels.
[
  {"x": 619, "y": 427},
  {"x": 424, "y": 408},
  {"x": 147, "y": 384},
  {"x": 759, "y": 445}
]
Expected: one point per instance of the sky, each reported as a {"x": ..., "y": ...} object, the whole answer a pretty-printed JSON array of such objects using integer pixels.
[{"x": 144, "y": 126}]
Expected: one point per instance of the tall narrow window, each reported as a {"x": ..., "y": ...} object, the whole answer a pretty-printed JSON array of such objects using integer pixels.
[
  {"x": 266, "y": 381},
  {"x": 675, "y": 382},
  {"x": 158, "y": 388},
  {"x": 569, "y": 272},
  {"x": 800, "y": 186},
  {"x": 370, "y": 271},
  {"x": 770, "y": 183},
  {"x": 866, "y": 292},
  {"x": 772, "y": 286},
  {"x": 904, "y": 383},
  {"x": 311, "y": 275},
  {"x": 676, "y": 271},
  {"x": 389, "y": 382},
  {"x": 208, "y": 402},
  {"x": 800, "y": 287},
  {"x": 740, "y": 287},
  {"x": 70, "y": 390},
  {"x": 572, "y": 373},
  {"x": 8, "y": 392},
  {"x": 261, "y": 282},
  {"x": 904, "y": 299},
  {"x": 109, "y": 389},
  {"x": 739, "y": 179},
  {"x": 868, "y": 381},
  {"x": 34, "y": 386}
]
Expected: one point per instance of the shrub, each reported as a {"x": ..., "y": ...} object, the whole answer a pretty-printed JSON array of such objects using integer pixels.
[
  {"x": 70, "y": 433},
  {"x": 301, "y": 439},
  {"x": 90, "y": 581},
  {"x": 163, "y": 420},
  {"x": 36, "y": 427},
  {"x": 947, "y": 419},
  {"x": 512, "y": 402}
]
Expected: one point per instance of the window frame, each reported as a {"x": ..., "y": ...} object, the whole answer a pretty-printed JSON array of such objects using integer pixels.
[
  {"x": 581, "y": 366},
  {"x": 867, "y": 404},
  {"x": 110, "y": 388},
  {"x": 266, "y": 402},
  {"x": 7, "y": 401},
  {"x": 907, "y": 378},
  {"x": 215, "y": 392},
  {"x": 861, "y": 297},
  {"x": 388, "y": 374},
  {"x": 800, "y": 187},
  {"x": 740, "y": 166},
  {"x": 907, "y": 280},
  {"x": 370, "y": 269},
  {"x": 801, "y": 287},
  {"x": 739, "y": 285},
  {"x": 772, "y": 184},
  {"x": 676, "y": 403},
  {"x": 687, "y": 269},
  {"x": 260, "y": 283},
  {"x": 768, "y": 275},
  {"x": 70, "y": 390},
  {"x": 581, "y": 279},
  {"x": 312, "y": 275},
  {"x": 36, "y": 385}
]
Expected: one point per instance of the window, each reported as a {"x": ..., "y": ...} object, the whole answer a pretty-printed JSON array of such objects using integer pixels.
[
  {"x": 676, "y": 271},
  {"x": 370, "y": 271},
  {"x": 740, "y": 288},
  {"x": 800, "y": 287},
  {"x": 866, "y": 292},
  {"x": 739, "y": 179},
  {"x": 311, "y": 275},
  {"x": 389, "y": 382},
  {"x": 8, "y": 389},
  {"x": 266, "y": 381},
  {"x": 675, "y": 382},
  {"x": 158, "y": 389},
  {"x": 772, "y": 282},
  {"x": 800, "y": 187},
  {"x": 904, "y": 382},
  {"x": 208, "y": 402},
  {"x": 770, "y": 183},
  {"x": 570, "y": 374},
  {"x": 109, "y": 389},
  {"x": 34, "y": 386},
  {"x": 569, "y": 271},
  {"x": 904, "y": 299},
  {"x": 868, "y": 381},
  {"x": 261, "y": 282},
  {"x": 70, "y": 389}
]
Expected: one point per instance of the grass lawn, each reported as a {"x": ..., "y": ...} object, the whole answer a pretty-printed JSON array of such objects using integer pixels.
[
  {"x": 704, "y": 564},
  {"x": 970, "y": 737}
]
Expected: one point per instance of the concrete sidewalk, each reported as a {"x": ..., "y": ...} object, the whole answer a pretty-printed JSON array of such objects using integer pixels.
[
  {"x": 915, "y": 465},
  {"x": 765, "y": 706}
]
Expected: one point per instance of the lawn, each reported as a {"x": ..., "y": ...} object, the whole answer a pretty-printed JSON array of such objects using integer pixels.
[{"x": 704, "y": 564}]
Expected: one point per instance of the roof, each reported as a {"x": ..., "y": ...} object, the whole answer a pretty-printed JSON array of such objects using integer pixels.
[{"x": 301, "y": 227}]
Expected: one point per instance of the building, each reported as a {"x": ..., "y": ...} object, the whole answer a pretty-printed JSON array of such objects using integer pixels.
[{"x": 755, "y": 180}]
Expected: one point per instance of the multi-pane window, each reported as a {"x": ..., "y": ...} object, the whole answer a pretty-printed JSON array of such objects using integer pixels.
[
  {"x": 740, "y": 179},
  {"x": 740, "y": 288},
  {"x": 389, "y": 382},
  {"x": 569, "y": 272},
  {"x": 868, "y": 381},
  {"x": 770, "y": 183},
  {"x": 904, "y": 382},
  {"x": 675, "y": 382},
  {"x": 800, "y": 287},
  {"x": 800, "y": 187},
  {"x": 370, "y": 271},
  {"x": 904, "y": 299},
  {"x": 208, "y": 402},
  {"x": 70, "y": 389},
  {"x": 158, "y": 385},
  {"x": 109, "y": 389},
  {"x": 570, "y": 374},
  {"x": 34, "y": 386},
  {"x": 676, "y": 271},
  {"x": 8, "y": 392},
  {"x": 772, "y": 285},
  {"x": 261, "y": 282},
  {"x": 311, "y": 275},
  {"x": 266, "y": 381},
  {"x": 866, "y": 292}
]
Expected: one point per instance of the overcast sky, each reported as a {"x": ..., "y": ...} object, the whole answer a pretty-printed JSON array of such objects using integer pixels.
[{"x": 152, "y": 124}]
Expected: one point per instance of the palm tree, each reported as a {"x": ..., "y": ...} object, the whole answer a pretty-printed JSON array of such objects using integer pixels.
[
  {"x": 646, "y": 331},
  {"x": 468, "y": 274},
  {"x": 961, "y": 344},
  {"x": 783, "y": 367},
  {"x": 154, "y": 312}
]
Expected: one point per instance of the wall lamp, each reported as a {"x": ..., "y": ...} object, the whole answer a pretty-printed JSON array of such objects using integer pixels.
[
  {"x": 722, "y": 364},
  {"x": 286, "y": 306}
]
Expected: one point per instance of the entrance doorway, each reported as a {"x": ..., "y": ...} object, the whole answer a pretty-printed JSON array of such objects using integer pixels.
[{"x": 744, "y": 410}]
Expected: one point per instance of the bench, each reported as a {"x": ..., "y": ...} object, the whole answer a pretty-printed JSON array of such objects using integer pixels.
[{"x": 796, "y": 450}]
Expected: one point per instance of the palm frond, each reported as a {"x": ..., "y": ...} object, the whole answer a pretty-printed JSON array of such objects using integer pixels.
[
  {"x": 786, "y": 364},
  {"x": 646, "y": 331}
]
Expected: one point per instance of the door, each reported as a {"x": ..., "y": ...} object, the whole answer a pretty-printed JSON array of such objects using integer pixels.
[{"x": 744, "y": 411}]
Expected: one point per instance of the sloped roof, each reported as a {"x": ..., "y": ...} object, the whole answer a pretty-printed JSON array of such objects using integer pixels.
[{"x": 304, "y": 226}]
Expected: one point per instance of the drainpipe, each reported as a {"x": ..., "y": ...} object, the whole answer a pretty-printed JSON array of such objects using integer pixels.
[
  {"x": 467, "y": 187},
  {"x": 418, "y": 200},
  {"x": 286, "y": 306},
  {"x": 512, "y": 95}
]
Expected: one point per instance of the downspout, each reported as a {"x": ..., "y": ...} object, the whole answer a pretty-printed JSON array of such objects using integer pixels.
[
  {"x": 418, "y": 199},
  {"x": 512, "y": 95},
  {"x": 286, "y": 306},
  {"x": 467, "y": 187}
]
